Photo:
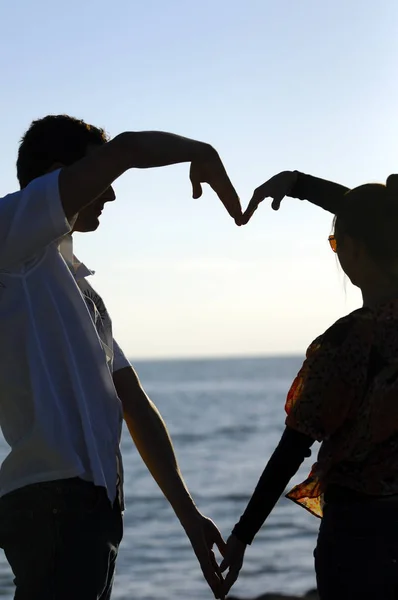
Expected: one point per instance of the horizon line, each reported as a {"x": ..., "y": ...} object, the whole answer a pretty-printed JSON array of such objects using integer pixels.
[{"x": 212, "y": 357}]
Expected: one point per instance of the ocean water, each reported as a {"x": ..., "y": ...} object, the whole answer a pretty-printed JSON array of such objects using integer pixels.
[{"x": 225, "y": 418}]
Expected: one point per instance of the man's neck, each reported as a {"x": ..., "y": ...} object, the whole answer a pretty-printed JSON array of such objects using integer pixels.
[{"x": 66, "y": 249}]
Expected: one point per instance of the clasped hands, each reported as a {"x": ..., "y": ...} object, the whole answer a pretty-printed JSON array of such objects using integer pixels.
[{"x": 212, "y": 171}]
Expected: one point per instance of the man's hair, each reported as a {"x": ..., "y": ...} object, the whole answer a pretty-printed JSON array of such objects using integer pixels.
[{"x": 54, "y": 139}]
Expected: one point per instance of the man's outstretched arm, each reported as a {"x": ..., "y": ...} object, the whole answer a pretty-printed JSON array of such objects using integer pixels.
[
  {"x": 83, "y": 181},
  {"x": 153, "y": 442},
  {"x": 34, "y": 217}
]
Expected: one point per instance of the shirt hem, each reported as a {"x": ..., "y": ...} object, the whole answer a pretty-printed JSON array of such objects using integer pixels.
[{"x": 41, "y": 478}]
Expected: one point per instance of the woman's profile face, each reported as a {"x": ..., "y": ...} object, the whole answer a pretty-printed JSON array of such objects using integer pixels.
[
  {"x": 356, "y": 261},
  {"x": 351, "y": 256},
  {"x": 345, "y": 255}
]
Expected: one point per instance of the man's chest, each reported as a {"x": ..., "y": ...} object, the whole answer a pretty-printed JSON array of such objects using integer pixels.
[{"x": 99, "y": 315}]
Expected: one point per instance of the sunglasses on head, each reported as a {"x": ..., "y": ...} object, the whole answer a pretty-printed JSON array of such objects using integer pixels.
[{"x": 333, "y": 242}]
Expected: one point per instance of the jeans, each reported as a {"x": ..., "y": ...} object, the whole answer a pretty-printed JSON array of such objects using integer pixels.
[
  {"x": 61, "y": 540},
  {"x": 356, "y": 557}
]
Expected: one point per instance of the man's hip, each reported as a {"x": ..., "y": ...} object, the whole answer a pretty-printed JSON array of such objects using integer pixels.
[{"x": 61, "y": 539}]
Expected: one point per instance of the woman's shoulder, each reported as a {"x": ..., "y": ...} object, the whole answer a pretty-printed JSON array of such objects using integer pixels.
[{"x": 338, "y": 333}]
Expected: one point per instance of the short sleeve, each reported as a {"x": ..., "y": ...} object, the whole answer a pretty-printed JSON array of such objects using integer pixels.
[
  {"x": 119, "y": 358},
  {"x": 30, "y": 220},
  {"x": 332, "y": 379}
]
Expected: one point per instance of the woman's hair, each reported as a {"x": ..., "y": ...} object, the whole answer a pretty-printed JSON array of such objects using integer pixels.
[{"x": 369, "y": 214}]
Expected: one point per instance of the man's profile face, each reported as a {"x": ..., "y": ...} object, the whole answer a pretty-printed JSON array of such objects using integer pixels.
[{"x": 88, "y": 219}]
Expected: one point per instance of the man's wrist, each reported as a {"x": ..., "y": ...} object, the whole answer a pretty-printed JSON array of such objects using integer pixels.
[
  {"x": 187, "y": 512},
  {"x": 204, "y": 151},
  {"x": 294, "y": 179}
]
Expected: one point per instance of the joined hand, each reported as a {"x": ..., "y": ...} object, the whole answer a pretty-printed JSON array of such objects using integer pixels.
[
  {"x": 276, "y": 188},
  {"x": 203, "y": 535},
  {"x": 212, "y": 171},
  {"x": 233, "y": 561}
]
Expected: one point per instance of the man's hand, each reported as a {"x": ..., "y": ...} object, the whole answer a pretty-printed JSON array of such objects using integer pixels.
[
  {"x": 152, "y": 440},
  {"x": 212, "y": 171},
  {"x": 276, "y": 188},
  {"x": 203, "y": 535},
  {"x": 233, "y": 560}
]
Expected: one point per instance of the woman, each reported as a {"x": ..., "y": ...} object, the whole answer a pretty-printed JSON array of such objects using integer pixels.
[{"x": 346, "y": 397}]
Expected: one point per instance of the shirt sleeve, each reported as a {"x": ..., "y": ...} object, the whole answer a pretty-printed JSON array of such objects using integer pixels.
[
  {"x": 292, "y": 449},
  {"x": 30, "y": 220},
  {"x": 326, "y": 194},
  {"x": 119, "y": 358},
  {"x": 332, "y": 379}
]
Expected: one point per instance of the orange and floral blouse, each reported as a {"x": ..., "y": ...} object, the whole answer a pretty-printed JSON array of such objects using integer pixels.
[{"x": 346, "y": 397}]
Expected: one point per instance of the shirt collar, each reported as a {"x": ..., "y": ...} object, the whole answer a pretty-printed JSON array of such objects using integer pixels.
[{"x": 79, "y": 269}]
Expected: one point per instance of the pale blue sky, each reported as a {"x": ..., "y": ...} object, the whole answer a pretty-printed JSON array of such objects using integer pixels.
[{"x": 273, "y": 85}]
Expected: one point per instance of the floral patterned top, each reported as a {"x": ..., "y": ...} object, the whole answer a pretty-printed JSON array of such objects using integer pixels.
[{"x": 346, "y": 396}]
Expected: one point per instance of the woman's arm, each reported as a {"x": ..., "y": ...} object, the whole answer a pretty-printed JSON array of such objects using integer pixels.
[
  {"x": 283, "y": 464},
  {"x": 323, "y": 193},
  {"x": 291, "y": 451}
]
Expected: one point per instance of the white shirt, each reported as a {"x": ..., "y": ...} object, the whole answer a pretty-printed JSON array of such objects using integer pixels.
[
  {"x": 116, "y": 358},
  {"x": 59, "y": 410}
]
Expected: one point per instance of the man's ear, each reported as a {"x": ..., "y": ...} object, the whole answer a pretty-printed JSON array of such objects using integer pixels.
[{"x": 55, "y": 167}]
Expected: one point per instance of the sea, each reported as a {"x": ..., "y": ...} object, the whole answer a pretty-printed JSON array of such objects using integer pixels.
[{"x": 225, "y": 417}]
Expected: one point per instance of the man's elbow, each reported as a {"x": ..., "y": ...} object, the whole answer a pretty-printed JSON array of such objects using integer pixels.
[{"x": 130, "y": 391}]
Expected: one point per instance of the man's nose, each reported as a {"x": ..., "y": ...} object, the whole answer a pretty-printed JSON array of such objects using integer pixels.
[{"x": 109, "y": 195}]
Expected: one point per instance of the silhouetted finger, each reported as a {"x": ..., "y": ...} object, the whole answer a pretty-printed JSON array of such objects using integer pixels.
[
  {"x": 228, "y": 196},
  {"x": 215, "y": 564},
  {"x": 249, "y": 212},
  {"x": 225, "y": 563},
  {"x": 276, "y": 203},
  {"x": 230, "y": 579},
  {"x": 218, "y": 179},
  {"x": 195, "y": 178},
  {"x": 215, "y": 582},
  {"x": 196, "y": 189},
  {"x": 210, "y": 572},
  {"x": 219, "y": 541}
]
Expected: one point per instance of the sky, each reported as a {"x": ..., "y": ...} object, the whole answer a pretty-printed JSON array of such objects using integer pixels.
[{"x": 279, "y": 85}]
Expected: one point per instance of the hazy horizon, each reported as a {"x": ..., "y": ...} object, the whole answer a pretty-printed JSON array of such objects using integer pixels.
[{"x": 200, "y": 358}]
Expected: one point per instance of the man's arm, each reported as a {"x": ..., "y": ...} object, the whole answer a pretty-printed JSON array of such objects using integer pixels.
[
  {"x": 82, "y": 182},
  {"x": 44, "y": 210},
  {"x": 153, "y": 442}
]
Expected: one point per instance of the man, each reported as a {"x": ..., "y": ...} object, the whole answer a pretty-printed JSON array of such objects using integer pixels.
[{"x": 65, "y": 382}]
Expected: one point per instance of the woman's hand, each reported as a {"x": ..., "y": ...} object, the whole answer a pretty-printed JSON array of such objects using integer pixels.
[
  {"x": 233, "y": 561},
  {"x": 276, "y": 188}
]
